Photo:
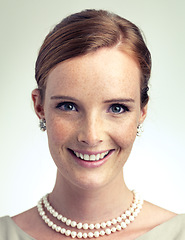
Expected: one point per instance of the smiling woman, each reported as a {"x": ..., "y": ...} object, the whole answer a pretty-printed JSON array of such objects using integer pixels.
[
  {"x": 92, "y": 73},
  {"x": 90, "y": 123}
]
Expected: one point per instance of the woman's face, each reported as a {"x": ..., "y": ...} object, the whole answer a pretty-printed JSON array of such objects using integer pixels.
[{"x": 92, "y": 110}]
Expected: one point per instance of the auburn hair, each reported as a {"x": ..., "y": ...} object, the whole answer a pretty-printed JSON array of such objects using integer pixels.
[{"x": 87, "y": 31}]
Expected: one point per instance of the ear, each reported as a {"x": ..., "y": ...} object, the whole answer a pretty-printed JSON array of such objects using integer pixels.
[
  {"x": 143, "y": 114},
  {"x": 38, "y": 106}
]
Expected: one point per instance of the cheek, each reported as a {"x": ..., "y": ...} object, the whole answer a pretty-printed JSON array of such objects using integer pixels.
[
  {"x": 59, "y": 132},
  {"x": 125, "y": 135}
]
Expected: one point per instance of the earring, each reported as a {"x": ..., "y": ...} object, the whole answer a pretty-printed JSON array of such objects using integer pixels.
[
  {"x": 42, "y": 124},
  {"x": 139, "y": 130}
]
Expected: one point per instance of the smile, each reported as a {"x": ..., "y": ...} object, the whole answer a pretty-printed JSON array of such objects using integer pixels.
[{"x": 93, "y": 157}]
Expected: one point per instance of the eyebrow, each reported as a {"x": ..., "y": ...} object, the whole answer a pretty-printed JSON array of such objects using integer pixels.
[
  {"x": 107, "y": 101},
  {"x": 120, "y": 100},
  {"x": 64, "y": 97}
]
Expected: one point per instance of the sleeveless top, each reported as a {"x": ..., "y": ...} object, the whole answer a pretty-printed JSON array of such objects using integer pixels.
[{"x": 173, "y": 229}]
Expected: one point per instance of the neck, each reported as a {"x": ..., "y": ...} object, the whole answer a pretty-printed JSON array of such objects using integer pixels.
[{"x": 93, "y": 204}]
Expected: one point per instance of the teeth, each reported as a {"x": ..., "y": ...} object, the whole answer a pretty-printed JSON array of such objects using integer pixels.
[
  {"x": 77, "y": 154},
  {"x": 86, "y": 157},
  {"x": 93, "y": 157}
]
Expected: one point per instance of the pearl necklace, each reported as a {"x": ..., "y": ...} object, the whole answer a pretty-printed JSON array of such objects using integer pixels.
[{"x": 108, "y": 227}]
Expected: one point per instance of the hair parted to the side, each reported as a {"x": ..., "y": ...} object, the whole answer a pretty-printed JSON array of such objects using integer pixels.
[{"x": 87, "y": 31}]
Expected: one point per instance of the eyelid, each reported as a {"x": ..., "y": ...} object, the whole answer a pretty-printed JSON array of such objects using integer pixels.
[
  {"x": 60, "y": 104},
  {"x": 123, "y": 106}
]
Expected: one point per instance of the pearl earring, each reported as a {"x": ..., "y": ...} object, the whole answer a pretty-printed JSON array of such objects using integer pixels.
[
  {"x": 139, "y": 130},
  {"x": 42, "y": 124}
]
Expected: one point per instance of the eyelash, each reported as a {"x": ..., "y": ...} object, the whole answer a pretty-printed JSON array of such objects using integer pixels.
[
  {"x": 121, "y": 106},
  {"x": 62, "y": 106},
  {"x": 69, "y": 106}
]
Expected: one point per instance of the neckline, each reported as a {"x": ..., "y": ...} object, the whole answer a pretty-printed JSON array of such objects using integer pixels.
[
  {"x": 139, "y": 238},
  {"x": 18, "y": 228},
  {"x": 159, "y": 226}
]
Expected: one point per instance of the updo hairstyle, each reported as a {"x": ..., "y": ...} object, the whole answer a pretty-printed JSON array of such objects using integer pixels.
[{"x": 86, "y": 32}]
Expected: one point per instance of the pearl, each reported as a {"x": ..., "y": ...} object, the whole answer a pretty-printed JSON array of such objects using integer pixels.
[
  {"x": 73, "y": 224},
  {"x": 58, "y": 229},
  {"x": 59, "y": 217},
  {"x": 139, "y": 206},
  {"x": 137, "y": 210},
  {"x": 131, "y": 209},
  {"x": 55, "y": 214},
  {"x": 113, "y": 229},
  {"x": 107, "y": 231},
  {"x": 118, "y": 227},
  {"x": 128, "y": 213},
  {"x": 91, "y": 226},
  {"x": 79, "y": 235},
  {"x": 119, "y": 219},
  {"x": 64, "y": 219},
  {"x": 134, "y": 205},
  {"x": 123, "y": 225},
  {"x": 135, "y": 214},
  {"x": 54, "y": 226},
  {"x": 50, "y": 223},
  {"x": 85, "y": 226},
  {"x": 73, "y": 234},
  {"x": 42, "y": 213},
  {"x": 47, "y": 220},
  {"x": 114, "y": 221},
  {"x": 97, "y": 226},
  {"x": 123, "y": 220},
  {"x": 79, "y": 225},
  {"x": 102, "y": 232},
  {"x": 90, "y": 235},
  {"x": 49, "y": 208},
  {"x": 131, "y": 218},
  {"x": 85, "y": 235},
  {"x": 123, "y": 216},
  {"x": 109, "y": 223},
  {"x": 63, "y": 230},
  {"x": 44, "y": 217},
  {"x": 96, "y": 234},
  {"x": 51, "y": 211},
  {"x": 68, "y": 233},
  {"x": 127, "y": 221},
  {"x": 103, "y": 225},
  {"x": 68, "y": 222}
]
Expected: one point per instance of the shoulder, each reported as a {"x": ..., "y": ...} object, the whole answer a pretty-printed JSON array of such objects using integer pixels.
[
  {"x": 156, "y": 215},
  {"x": 9, "y": 230},
  {"x": 32, "y": 225},
  {"x": 159, "y": 223}
]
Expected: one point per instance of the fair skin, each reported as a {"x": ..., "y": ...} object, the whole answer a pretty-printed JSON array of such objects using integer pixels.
[{"x": 92, "y": 107}]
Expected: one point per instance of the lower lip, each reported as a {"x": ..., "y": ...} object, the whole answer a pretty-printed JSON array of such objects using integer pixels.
[{"x": 92, "y": 164}]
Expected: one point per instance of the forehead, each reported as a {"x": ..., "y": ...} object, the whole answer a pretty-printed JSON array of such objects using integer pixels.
[{"x": 106, "y": 70}]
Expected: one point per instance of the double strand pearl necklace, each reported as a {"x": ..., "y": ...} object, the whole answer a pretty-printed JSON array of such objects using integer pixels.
[{"x": 108, "y": 227}]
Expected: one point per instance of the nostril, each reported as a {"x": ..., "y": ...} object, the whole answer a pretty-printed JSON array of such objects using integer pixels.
[
  {"x": 90, "y": 142},
  {"x": 90, "y": 132}
]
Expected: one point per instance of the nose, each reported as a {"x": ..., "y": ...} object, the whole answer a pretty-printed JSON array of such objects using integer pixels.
[{"x": 90, "y": 131}]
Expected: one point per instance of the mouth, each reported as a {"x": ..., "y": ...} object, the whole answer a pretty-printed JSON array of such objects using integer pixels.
[{"x": 91, "y": 157}]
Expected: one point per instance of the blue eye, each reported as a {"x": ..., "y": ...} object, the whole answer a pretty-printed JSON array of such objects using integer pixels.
[
  {"x": 67, "y": 106},
  {"x": 118, "y": 108}
]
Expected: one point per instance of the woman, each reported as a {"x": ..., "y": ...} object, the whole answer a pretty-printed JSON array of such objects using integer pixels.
[{"x": 92, "y": 73}]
